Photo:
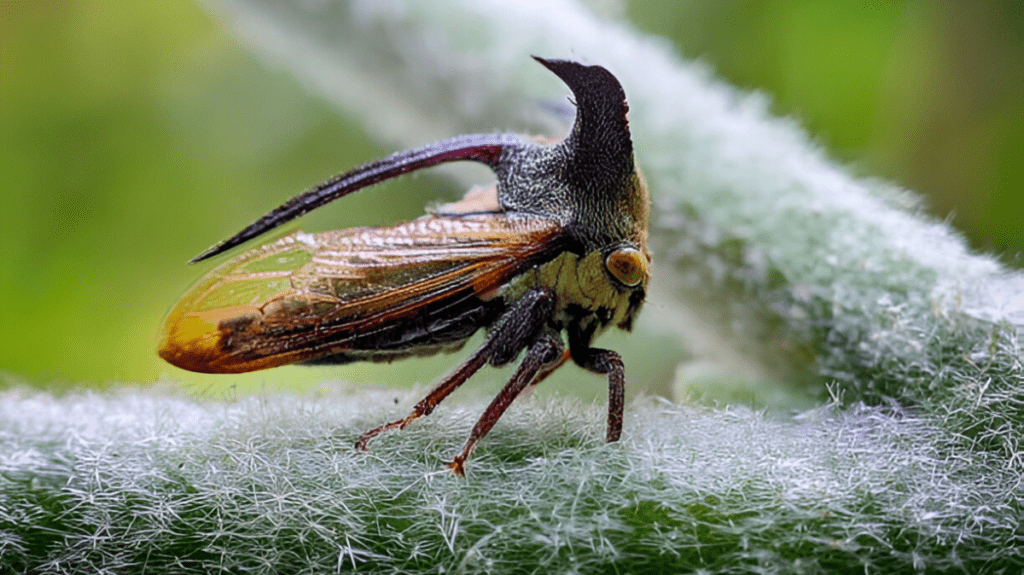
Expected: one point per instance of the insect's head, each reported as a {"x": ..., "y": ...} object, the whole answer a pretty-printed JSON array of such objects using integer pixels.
[{"x": 588, "y": 182}]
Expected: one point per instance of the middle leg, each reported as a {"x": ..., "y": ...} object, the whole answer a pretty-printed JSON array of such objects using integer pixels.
[
  {"x": 545, "y": 352},
  {"x": 511, "y": 333}
]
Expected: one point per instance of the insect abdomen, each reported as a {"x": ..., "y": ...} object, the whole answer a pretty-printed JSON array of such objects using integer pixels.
[{"x": 435, "y": 329}]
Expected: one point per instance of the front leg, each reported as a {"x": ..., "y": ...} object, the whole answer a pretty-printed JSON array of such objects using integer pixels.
[{"x": 605, "y": 361}]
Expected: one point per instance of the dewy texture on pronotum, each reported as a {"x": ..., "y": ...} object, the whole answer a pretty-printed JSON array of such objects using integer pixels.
[{"x": 559, "y": 246}]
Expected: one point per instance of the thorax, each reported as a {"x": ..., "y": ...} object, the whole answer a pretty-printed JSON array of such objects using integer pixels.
[{"x": 581, "y": 287}]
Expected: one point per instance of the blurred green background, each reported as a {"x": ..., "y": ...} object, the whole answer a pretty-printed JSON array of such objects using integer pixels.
[{"x": 134, "y": 135}]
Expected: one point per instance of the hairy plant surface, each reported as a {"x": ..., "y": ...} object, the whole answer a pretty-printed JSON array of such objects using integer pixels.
[{"x": 143, "y": 482}]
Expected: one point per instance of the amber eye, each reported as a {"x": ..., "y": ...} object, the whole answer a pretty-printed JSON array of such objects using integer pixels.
[{"x": 627, "y": 265}]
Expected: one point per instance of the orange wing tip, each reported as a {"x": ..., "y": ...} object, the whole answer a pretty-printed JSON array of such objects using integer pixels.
[{"x": 195, "y": 341}]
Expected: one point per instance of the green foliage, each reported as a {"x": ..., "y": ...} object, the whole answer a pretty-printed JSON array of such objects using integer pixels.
[{"x": 139, "y": 134}]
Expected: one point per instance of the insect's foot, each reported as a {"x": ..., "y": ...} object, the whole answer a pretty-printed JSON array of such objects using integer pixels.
[
  {"x": 364, "y": 439},
  {"x": 458, "y": 466}
]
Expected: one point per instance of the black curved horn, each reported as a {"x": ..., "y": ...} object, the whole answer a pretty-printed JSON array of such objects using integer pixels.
[
  {"x": 600, "y": 137},
  {"x": 486, "y": 149}
]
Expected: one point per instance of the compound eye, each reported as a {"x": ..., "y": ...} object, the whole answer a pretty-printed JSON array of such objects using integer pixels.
[{"x": 627, "y": 265}]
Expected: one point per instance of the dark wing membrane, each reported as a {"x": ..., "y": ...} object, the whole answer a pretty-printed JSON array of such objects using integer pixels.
[{"x": 362, "y": 293}]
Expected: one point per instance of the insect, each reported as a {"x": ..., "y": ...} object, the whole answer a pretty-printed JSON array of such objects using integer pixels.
[{"x": 558, "y": 246}]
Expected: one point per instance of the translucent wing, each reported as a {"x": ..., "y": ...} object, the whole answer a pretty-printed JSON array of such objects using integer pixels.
[{"x": 364, "y": 293}]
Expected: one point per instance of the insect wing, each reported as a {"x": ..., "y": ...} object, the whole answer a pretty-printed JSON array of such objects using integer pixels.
[{"x": 362, "y": 293}]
